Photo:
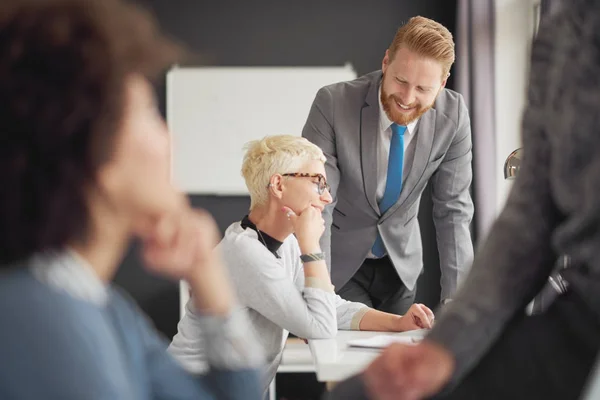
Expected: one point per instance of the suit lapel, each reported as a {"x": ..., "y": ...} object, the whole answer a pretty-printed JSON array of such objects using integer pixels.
[
  {"x": 369, "y": 140},
  {"x": 425, "y": 134}
]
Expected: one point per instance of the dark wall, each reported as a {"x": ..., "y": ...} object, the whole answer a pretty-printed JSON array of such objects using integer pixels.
[{"x": 282, "y": 33}]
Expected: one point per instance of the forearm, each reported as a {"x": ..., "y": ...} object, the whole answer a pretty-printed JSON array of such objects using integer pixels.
[
  {"x": 325, "y": 240},
  {"x": 212, "y": 291},
  {"x": 374, "y": 320},
  {"x": 315, "y": 269},
  {"x": 301, "y": 306}
]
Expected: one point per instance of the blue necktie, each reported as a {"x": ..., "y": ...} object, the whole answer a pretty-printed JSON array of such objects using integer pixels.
[{"x": 393, "y": 183}]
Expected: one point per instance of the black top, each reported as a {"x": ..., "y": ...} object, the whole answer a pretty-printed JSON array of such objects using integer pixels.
[{"x": 270, "y": 242}]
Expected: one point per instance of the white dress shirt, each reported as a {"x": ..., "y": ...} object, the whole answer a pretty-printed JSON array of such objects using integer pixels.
[{"x": 383, "y": 150}]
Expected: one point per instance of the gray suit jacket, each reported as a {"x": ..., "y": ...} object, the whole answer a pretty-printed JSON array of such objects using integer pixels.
[{"x": 343, "y": 121}]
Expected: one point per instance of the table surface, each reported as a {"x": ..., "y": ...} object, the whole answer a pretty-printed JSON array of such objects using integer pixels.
[{"x": 335, "y": 361}]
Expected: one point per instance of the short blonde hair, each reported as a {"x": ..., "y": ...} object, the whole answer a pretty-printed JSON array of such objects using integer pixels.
[
  {"x": 272, "y": 155},
  {"x": 427, "y": 38}
]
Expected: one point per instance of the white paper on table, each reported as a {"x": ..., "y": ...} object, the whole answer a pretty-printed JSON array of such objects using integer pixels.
[{"x": 383, "y": 341}]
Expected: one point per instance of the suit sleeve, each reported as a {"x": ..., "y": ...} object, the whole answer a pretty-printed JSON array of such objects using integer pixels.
[
  {"x": 320, "y": 131},
  {"x": 453, "y": 207},
  {"x": 512, "y": 265}
]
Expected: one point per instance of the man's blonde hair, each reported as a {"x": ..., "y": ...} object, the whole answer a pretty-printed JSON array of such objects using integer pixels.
[
  {"x": 274, "y": 155},
  {"x": 427, "y": 38}
]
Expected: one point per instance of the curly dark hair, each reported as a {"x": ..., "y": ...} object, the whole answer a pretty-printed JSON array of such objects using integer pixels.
[{"x": 63, "y": 69}]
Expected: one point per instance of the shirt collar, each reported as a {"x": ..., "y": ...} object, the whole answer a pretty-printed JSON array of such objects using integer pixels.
[
  {"x": 269, "y": 242},
  {"x": 385, "y": 122},
  {"x": 69, "y": 272}
]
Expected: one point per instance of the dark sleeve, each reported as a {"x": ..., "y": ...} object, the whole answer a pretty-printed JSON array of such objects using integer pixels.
[
  {"x": 517, "y": 258},
  {"x": 352, "y": 388}
]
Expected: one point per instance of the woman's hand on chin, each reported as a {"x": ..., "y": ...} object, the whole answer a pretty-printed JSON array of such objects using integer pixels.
[{"x": 308, "y": 226}]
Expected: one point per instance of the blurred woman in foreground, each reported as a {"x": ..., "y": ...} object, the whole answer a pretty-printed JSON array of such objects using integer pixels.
[{"x": 84, "y": 168}]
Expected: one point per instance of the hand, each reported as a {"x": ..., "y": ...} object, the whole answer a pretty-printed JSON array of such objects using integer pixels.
[
  {"x": 308, "y": 227},
  {"x": 418, "y": 316},
  {"x": 181, "y": 246},
  {"x": 176, "y": 245},
  {"x": 405, "y": 372}
]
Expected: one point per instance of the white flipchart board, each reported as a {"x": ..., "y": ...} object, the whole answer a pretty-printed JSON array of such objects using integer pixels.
[{"x": 213, "y": 111}]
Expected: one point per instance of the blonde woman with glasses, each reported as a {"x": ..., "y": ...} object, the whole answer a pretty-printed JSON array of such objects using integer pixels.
[{"x": 276, "y": 263}]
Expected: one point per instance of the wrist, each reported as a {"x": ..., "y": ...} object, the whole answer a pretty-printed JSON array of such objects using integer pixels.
[
  {"x": 308, "y": 247},
  {"x": 197, "y": 274},
  {"x": 312, "y": 257},
  {"x": 397, "y": 323}
]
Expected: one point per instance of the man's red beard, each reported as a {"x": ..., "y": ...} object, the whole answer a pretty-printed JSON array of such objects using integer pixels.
[{"x": 390, "y": 106}]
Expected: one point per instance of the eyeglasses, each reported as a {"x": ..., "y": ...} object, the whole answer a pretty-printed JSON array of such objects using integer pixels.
[{"x": 322, "y": 184}]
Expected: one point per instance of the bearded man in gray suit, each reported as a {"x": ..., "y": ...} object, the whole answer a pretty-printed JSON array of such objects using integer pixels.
[{"x": 386, "y": 135}]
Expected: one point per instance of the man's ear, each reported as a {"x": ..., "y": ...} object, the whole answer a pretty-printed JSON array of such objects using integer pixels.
[
  {"x": 445, "y": 80},
  {"x": 386, "y": 61}
]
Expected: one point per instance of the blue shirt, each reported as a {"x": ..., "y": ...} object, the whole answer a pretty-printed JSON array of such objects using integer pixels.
[{"x": 55, "y": 344}]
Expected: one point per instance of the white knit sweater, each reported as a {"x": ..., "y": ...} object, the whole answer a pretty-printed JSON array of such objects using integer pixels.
[{"x": 277, "y": 297}]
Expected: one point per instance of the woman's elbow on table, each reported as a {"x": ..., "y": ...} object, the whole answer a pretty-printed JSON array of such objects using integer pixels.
[{"x": 320, "y": 330}]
